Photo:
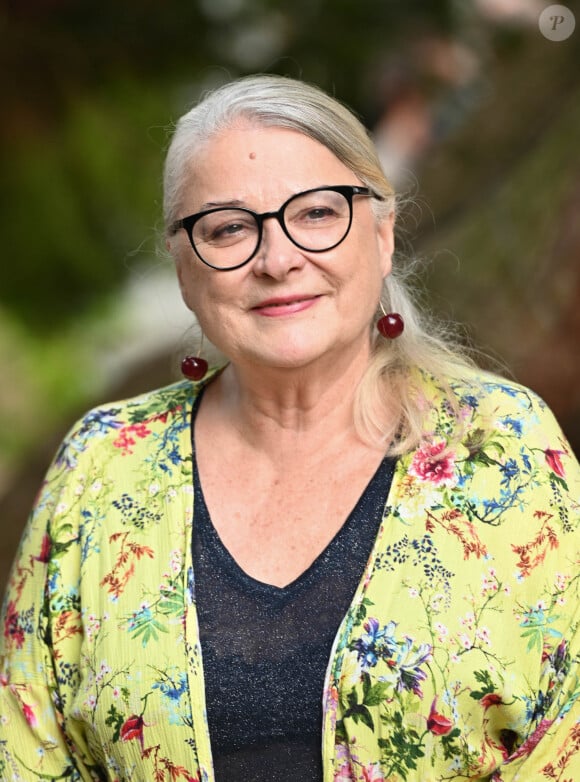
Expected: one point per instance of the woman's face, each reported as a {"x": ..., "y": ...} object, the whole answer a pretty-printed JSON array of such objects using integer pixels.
[{"x": 287, "y": 307}]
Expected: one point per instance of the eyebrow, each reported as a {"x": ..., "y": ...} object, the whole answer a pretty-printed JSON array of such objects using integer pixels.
[{"x": 217, "y": 204}]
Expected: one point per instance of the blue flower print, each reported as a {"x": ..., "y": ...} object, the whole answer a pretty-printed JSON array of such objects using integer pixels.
[
  {"x": 408, "y": 663},
  {"x": 376, "y": 643}
]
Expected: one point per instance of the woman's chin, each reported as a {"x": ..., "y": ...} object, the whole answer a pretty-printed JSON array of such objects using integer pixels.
[
  {"x": 287, "y": 362},
  {"x": 287, "y": 358}
]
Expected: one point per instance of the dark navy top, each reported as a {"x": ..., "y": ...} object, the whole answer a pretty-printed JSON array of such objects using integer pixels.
[{"x": 266, "y": 649}]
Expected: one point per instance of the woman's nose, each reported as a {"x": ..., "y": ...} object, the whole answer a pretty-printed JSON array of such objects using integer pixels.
[{"x": 277, "y": 254}]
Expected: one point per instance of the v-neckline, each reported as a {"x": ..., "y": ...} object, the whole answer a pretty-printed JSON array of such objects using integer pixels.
[{"x": 203, "y": 516}]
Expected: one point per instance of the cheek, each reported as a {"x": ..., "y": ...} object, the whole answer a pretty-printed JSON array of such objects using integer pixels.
[
  {"x": 365, "y": 276},
  {"x": 211, "y": 301},
  {"x": 193, "y": 284}
]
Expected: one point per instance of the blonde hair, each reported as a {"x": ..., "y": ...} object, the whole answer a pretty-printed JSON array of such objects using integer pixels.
[{"x": 390, "y": 409}]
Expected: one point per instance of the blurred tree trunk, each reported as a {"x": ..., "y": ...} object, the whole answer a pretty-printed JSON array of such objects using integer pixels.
[{"x": 505, "y": 239}]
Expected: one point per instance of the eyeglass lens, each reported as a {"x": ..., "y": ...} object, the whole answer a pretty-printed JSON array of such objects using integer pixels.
[{"x": 314, "y": 221}]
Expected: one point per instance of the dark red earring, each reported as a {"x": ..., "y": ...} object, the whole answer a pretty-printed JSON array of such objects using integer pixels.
[
  {"x": 193, "y": 367},
  {"x": 391, "y": 325}
]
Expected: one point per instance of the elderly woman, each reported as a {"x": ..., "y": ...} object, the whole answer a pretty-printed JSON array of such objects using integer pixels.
[{"x": 345, "y": 554}]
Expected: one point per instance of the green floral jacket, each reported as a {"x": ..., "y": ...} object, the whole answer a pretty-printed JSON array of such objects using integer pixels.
[{"x": 458, "y": 658}]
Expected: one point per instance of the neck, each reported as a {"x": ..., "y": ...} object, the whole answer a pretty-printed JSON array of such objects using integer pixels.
[{"x": 287, "y": 410}]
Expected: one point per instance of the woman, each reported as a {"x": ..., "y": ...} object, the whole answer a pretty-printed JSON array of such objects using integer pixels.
[{"x": 344, "y": 555}]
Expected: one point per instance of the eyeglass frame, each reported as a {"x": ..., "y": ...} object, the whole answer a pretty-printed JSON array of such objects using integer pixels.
[{"x": 347, "y": 191}]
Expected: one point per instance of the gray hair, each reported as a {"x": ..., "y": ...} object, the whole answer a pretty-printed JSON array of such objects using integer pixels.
[
  {"x": 281, "y": 102},
  {"x": 390, "y": 409}
]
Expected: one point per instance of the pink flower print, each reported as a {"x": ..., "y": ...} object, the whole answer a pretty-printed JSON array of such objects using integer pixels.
[
  {"x": 344, "y": 774},
  {"x": 554, "y": 462},
  {"x": 13, "y": 630},
  {"x": 372, "y": 773},
  {"x": 437, "y": 723},
  {"x": 29, "y": 715},
  {"x": 532, "y": 741},
  {"x": 490, "y": 699},
  {"x": 465, "y": 640},
  {"x": 482, "y": 634},
  {"x": 434, "y": 463},
  {"x": 132, "y": 729},
  {"x": 126, "y": 440},
  {"x": 45, "y": 548}
]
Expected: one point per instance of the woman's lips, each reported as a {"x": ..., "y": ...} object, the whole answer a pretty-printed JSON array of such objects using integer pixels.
[{"x": 275, "y": 308}]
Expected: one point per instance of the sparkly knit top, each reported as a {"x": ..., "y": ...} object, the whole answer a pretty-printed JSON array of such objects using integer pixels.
[{"x": 266, "y": 649}]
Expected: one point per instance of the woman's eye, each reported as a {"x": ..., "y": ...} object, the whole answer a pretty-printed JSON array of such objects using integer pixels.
[
  {"x": 231, "y": 229},
  {"x": 226, "y": 231},
  {"x": 319, "y": 213}
]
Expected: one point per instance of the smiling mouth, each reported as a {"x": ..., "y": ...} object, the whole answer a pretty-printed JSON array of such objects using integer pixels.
[
  {"x": 289, "y": 306},
  {"x": 285, "y": 302}
]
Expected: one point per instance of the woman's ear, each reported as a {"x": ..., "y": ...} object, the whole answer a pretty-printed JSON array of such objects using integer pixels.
[
  {"x": 179, "y": 269},
  {"x": 386, "y": 242}
]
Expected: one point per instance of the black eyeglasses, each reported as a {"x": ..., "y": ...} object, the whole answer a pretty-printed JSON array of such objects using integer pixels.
[{"x": 315, "y": 220}]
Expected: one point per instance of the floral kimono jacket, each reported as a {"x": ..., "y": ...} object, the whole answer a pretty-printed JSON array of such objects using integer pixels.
[{"x": 458, "y": 658}]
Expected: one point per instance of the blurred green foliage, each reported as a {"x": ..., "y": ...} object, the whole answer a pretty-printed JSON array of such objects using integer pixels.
[
  {"x": 77, "y": 201},
  {"x": 88, "y": 90}
]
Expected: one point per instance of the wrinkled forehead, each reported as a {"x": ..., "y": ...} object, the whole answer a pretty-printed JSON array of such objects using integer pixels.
[
  {"x": 240, "y": 124},
  {"x": 249, "y": 159}
]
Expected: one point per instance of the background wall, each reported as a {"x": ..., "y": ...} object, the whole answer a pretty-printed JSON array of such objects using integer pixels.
[{"x": 476, "y": 115}]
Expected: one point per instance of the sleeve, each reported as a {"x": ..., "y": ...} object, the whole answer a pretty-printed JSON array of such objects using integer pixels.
[
  {"x": 550, "y": 749},
  {"x": 34, "y": 742}
]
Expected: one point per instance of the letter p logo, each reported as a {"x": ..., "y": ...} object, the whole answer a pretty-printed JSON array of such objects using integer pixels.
[{"x": 557, "y": 22}]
